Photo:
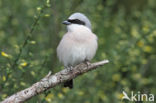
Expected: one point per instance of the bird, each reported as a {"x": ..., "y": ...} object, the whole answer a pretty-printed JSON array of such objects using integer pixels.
[{"x": 78, "y": 45}]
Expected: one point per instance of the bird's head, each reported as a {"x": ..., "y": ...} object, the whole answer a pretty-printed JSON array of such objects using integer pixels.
[{"x": 79, "y": 19}]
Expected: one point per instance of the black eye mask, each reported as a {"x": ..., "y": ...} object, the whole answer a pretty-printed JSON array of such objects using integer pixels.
[{"x": 76, "y": 21}]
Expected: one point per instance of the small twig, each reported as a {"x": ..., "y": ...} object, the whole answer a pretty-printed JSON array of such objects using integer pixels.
[{"x": 27, "y": 38}]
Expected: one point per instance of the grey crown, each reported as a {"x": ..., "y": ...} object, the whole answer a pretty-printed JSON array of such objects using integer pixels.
[{"x": 81, "y": 17}]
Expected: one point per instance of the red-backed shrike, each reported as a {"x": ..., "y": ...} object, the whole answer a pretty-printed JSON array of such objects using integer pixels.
[{"x": 78, "y": 44}]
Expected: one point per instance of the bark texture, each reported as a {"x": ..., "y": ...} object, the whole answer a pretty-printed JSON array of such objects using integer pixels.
[{"x": 51, "y": 81}]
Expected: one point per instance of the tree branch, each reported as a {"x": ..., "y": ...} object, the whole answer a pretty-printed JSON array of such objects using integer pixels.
[{"x": 51, "y": 81}]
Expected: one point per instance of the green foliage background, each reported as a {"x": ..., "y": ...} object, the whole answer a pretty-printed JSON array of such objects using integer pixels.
[{"x": 30, "y": 31}]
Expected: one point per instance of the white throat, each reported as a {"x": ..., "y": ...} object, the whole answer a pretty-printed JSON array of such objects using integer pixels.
[{"x": 77, "y": 27}]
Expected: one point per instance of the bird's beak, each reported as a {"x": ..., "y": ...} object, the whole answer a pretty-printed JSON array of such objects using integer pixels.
[{"x": 66, "y": 22}]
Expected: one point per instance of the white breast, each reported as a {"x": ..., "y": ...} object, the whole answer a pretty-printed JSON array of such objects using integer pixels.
[{"x": 78, "y": 44}]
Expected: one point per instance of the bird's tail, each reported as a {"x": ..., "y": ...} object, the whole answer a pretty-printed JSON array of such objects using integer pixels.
[{"x": 69, "y": 84}]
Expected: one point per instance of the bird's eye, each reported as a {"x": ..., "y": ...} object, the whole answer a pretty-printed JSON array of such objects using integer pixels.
[{"x": 76, "y": 21}]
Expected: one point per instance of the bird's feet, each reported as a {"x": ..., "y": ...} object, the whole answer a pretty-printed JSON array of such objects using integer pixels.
[
  {"x": 69, "y": 68},
  {"x": 87, "y": 62}
]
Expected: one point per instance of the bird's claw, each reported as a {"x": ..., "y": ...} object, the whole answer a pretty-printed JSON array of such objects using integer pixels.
[
  {"x": 87, "y": 62},
  {"x": 69, "y": 68}
]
